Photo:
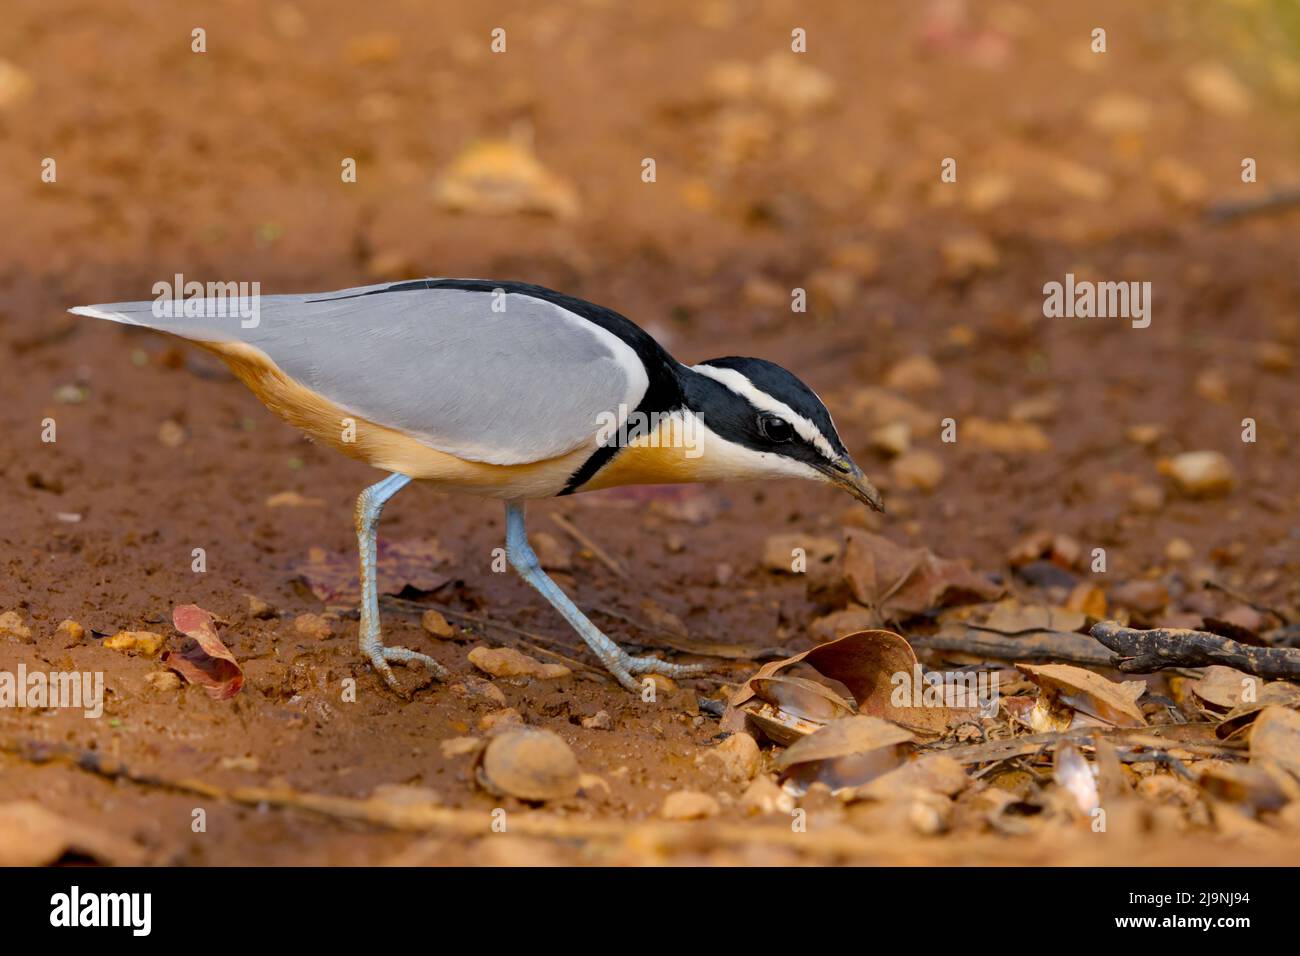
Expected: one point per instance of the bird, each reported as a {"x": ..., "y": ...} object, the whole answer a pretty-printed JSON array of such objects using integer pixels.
[{"x": 503, "y": 390}]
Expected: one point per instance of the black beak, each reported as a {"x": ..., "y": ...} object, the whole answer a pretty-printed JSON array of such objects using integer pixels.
[{"x": 849, "y": 476}]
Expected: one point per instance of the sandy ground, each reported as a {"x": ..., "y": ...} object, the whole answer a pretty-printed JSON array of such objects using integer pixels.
[{"x": 226, "y": 165}]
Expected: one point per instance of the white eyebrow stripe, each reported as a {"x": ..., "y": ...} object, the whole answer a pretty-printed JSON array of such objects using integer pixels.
[{"x": 742, "y": 386}]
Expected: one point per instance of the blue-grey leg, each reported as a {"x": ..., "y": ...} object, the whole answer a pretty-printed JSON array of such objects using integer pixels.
[
  {"x": 616, "y": 660},
  {"x": 370, "y": 503}
]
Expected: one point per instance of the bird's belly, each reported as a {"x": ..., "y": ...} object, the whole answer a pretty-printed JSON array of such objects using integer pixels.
[{"x": 389, "y": 448}]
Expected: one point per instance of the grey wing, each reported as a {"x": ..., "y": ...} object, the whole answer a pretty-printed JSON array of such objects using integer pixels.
[{"x": 522, "y": 382}]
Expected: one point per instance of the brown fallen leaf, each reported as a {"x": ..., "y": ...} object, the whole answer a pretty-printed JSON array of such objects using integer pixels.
[
  {"x": 846, "y": 737},
  {"x": 1090, "y": 693},
  {"x": 332, "y": 575},
  {"x": 867, "y": 664},
  {"x": 1275, "y": 736},
  {"x": 32, "y": 835},
  {"x": 844, "y": 755},
  {"x": 1224, "y": 687},
  {"x": 210, "y": 664},
  {"x": 905, "y": 582},
  {"x": 1274, "y": 694}
]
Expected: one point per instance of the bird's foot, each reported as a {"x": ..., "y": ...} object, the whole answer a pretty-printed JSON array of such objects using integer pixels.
[
  {"x": 653, "y": 665},
  {"x": 625, "y": 667},
  {"x": 380, "y": 656}
]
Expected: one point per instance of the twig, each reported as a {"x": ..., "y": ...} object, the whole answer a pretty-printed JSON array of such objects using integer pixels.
[
  {"x": 1140, "y": 652},
  {"x": 649, "y": 836},
  {"x": 1059, "y": 646},
  {"x": 569, "y": 528},
  {"x": 1278, "y": 199}
]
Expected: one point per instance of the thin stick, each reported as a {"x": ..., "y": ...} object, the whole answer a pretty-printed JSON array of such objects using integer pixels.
[{"x": 569, "y": 528}]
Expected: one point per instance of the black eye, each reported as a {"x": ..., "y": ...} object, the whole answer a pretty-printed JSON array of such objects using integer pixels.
[{"x": 775, "y": 429}]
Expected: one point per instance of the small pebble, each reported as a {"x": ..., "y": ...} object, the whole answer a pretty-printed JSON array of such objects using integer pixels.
[
  {"x": 508, "y": 662},
  {"x": 140, "y": 642},
  {"x": 689, "y": 805},
  {"x": 163, "y": 681},
  {"x": 600, "y": 720},
  {"x": 435, "y": 624},
  {"x": 313, "y": 626},
  {"x": 12, "y": 626},
  {"x": 1202, "y": 474}
]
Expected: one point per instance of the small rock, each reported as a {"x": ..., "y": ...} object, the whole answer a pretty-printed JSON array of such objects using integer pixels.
[
  {"x": 600, "y": 720},
  {"x": 965, "y": 256},
  {"x": 1212, "y": 385},
  {"x": 534, "y": 765},
  {"x": 1215, "y": 88},
  {"x": 893, "y": 439},
  {"x": 1010, "y": 437},
  {"x": 1147, "y": 498},
  {"x": 163, "y": 682},
  {"x": 663, "y": 685},
  {"x": 508, "y": 662},
  {"x": 914, "y": 374},
  {"x": 171, "y": 434},
  {"x": 313, "y": 626},
  {"x": 498, "y": 719},
  {"x": 259, "y": 609},
  {"x": 476, "y": 688},
  {"x": 140, "y": 642},
  {"x": 689, "y": 805},
  {"x": 292, "y": 499},
  {"x": 435, "y": 624},
  {"x": 1145, "y": 597},
  {"x": 1144, "y": 435},
  {"x": 459, "y": 746},
  {"x": 12, "y": 626},
  {"x": 245, "y": 762},
  {"x": 765, "y": 796},
  {"x": 917, "y": 470},
  {"x": 1274, "y": 357},
  {"x": 1202, "y": 474},
  {"x": 71, "y": 629},
  {"x": 1179, "y": 550},
  {"x": 737, "y": 756}
]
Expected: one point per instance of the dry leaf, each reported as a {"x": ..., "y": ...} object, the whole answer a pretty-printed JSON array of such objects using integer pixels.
[
  {"x": 865, "y": 663},
  {"x": 1276, "y": 736},
  {"x": 847, "y": 737},
  {"x": 1089, "y": 693},
  {"x": 210, "y": 664},
  {"x": 1223, "y": 686},
  {"x": 31, "y": 835},
  {"x": 905, "y": 582},
  {"x": 332, "y": 575},
  {"x": 1275, "y": 693}
]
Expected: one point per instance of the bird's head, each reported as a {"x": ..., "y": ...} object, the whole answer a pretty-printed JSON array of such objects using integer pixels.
[{"x": 767, "y": 423}]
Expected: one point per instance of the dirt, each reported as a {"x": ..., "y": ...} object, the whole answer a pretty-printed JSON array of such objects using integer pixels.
[{"x": 226, "y": 165}]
